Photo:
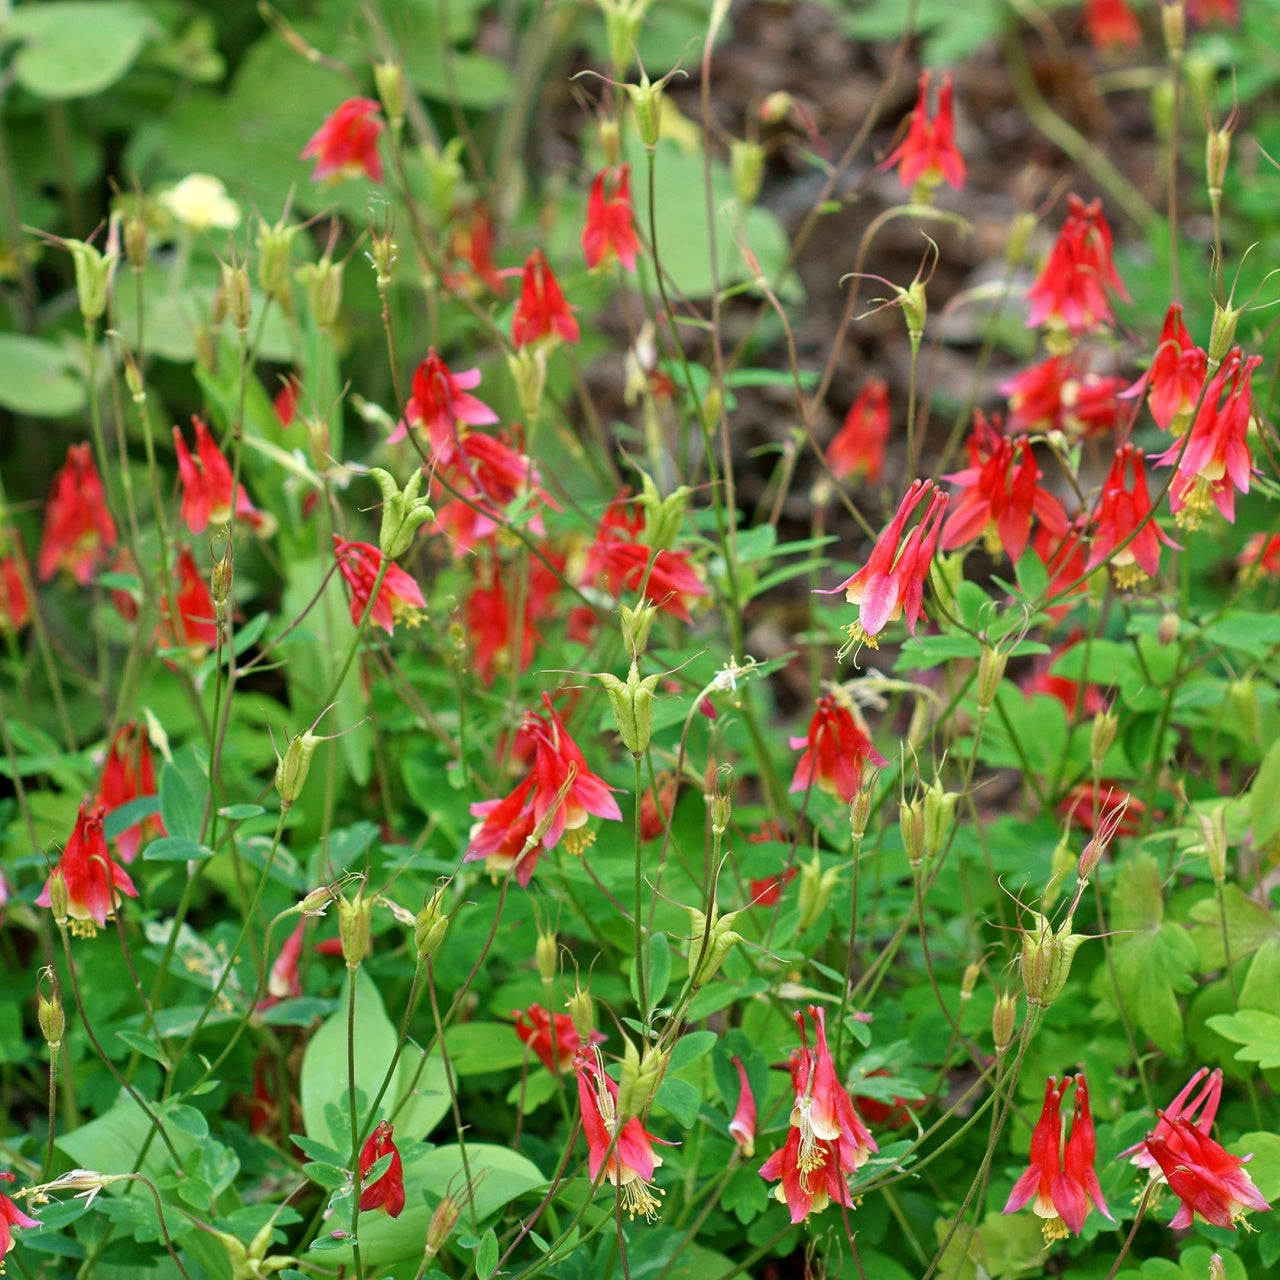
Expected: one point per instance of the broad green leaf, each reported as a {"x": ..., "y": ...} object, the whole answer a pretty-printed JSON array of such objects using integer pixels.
[
  {"x": 1257, "y": 1032},
  {"x": 77, "y": 47},
  {"x": 487, "y": 1255},
  {"x": 112, "y": 1142},
  {"x": 484, "y": 1046},
  {"x": 39, "y": 380},
  {"x": 681, "y": 1099},
  {"x": 1137, "y": 901},
  {"x": 175, "y": 849},
  {"x": 1249, "y": 925},
  {"x": 183, "y": 792},
  {"x": 1263, "y": 808},
  {"x": 1264, "y": 1168}
]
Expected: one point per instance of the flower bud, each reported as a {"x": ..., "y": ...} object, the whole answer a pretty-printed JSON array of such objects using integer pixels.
[
  {"x": 1169, "y": 627},
  {"x": 93, "y": 278},
  {"x": 816, "y": 888},
  {"x": 775, "y": 109},
  {"x": 355, "y": 920},
  {"x": 528, "y": 369},
  {"x": 969, "y": 980},
  {"x": 1222, "y": 331},
  {"x": 939, "y": 817},
  {"x": 275, "y": 244},
  {"x": 135, "y": 238},
  {"x": 646, "y": 101},
  {"x": 1217, "y": 154},
  {"x": 1004, "y": 1018},
  {"x": 546, "y": 954},
  {"x": 859, "y": 814},
  {"x": 721, "y": 799},
  {"x": 443, "y": 1220},
  {"x": 582, "y": 1010},
  {"x": 220, "y": 580},
  {"x": 636, "y": 625},
  {"x": 1217, "y": 1269},
  {"x": 53, "y": 1022},
  {"x": 746, "y": 164},
  {"x": 59, "y": 897},
  {"x": 429, "y": 926},
  {"x": 316, "y": 903},
  {"x": 990, "y": 672},
  {"x": 389, "y": 79},
  {"x": 293, "y": 766},
  {"x": 444, "y": 174},
  {"x": 1101, "y": 736},
  {"x": 403, "y": 511},
  {"x": 911, "y": 824},
  {"x": 632, "y": 705},
  {"x": 1213, "y": 832},
  {"x": 1046, "y": 958},
  {"x": 324, "y": 285},
  {"x": 662, "y": 516},
  {"x": 711, "y": 943},
  {"x": 235, "y": 288},
  {"x": 610, "y": 136}
]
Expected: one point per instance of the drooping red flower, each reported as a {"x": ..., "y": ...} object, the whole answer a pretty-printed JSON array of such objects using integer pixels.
[
  {"x": 1183, "y": 1107},
  {"x": 472, "y": 244},
  {"x": 617, "y": 561},
  {"x": 928, "y": 155},
  {"x": 1111, "y": 24},
  {"x": 1215, "y": 460},
  {"x": 1123, "y": 507},
  {"x": 1260, "y": 554},
  {"x": 197, "y": 629},
  {"x": 1071, "y": 291},
  {"x": 1176, "y": 375},
  {"x": 1205, "y": 12},
  {"x": 541, "y": 311},
  {"x": 89, "y": 875},
  {"x": 346, "y": 145},
  {"x": 285, "y": 401},
  {"x": 622, "y": 1152},
  {"x": 835, "y": 750},
  {"x": 891, "y": 583},
  {"x": 207, "y": 484},
  {"x": 610, "y": 230},
  {"x": 1062, "y": 1189},
  {"x": 129, "y": 774},
  {"x": 387, "y": 1190},
  {"x": 655, "y": 812},
  {"x": 857, "y": 449},
  {"x": 767, "y": 890},
  {"x": 742, "y": 1128},
  {"x": 827, "y": 1139},
  {"x": 440, "y": 401},
  {"x": 283, "y": 979},
  {"x": 10, "y": 1216},
  {"x": 999, "y": 496},
  {"x": 1108, "y": 807},
  {"x": 15, "y": 607},
  {"x": 1205, "y": 1176},
  {"x": 492, "y": 626},
  {"x": 78, "y": 529},
  {"x": 552, "y": 1037},
  {"x": 399, "y": 597},
  {"x": 553, "y": 800},
  {"x": 1064, "y": 559}
]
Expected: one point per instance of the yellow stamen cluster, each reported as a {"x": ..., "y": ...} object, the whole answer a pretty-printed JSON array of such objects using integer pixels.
[{"x": 578, "y": 840}]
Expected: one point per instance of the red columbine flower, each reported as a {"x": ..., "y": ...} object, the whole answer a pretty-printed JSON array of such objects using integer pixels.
[
  {"x": 1000, "y": 493},
  {"x": 399, "y": 598},
  {"x": 554, "y": 799},
  {"x": 610, "y": 228},
  {"x": 89, "y": 877},
  {"x": 541, "y": 311},
  {"x": 1111, "y": 24},
  {"x": 627, "y": 1160},
  {"x": 387, "y": 1191},
  {"x": 1205, "y": 1102},
  {"x": 891, "y": 583},
  {"x": 1203, "y": 12},
  {"x": 742, "y": 1128},
  {"x": 928, "y": 156},
  {"x": 1071, "y": 291},
  {"x": 207, "y": 484},
  {"x": 15, "y": 608},
  {"x": 1206, "y": 1177},
  {"x": 858, "y": 447},
  {"x": 835, "y": 749},
  {"x": 1062, "y": 1191},
  {"x": 439, "y": 402},
  {"x": 827, "y": 1140},
  {"x": 283, "y": 979},
  {"x": 78, "y": 529},
  {"x": 552, "y": 1037},
  {"x": 1215, "y": 461},
  {"x": 347, "y": 143},
  {"x": 129, "y": 774},
  {"x": 1123, "y": 507},
  {"x": 1260, "y": 554},
  {"x": 197, "y": 630},
  {"x": 1176, "y": 374},
  {"x": 617, "y": 561},
  {"x": 10, "y": 1216},
  {"x": 491, "y": 624},
  {"x": 472, "y": 243},
  {"x": 1064, "y": 561}
]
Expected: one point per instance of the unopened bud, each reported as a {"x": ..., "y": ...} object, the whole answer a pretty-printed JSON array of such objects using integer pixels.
[
  {"x": 969, "y": 980},
  {"x": 632, "y": 705},
  {"x": 746, "y": 164},
  {"x": 911, "y": 824},
  {"x": 1217, "y": 1269},
  {"x": 429, "y": 926},
  {"x": 316, "y": 903},
  {"x": 776, "y": 107},
  {"x": 355, "y": 920},
  {"x": 324, "y": 285},
  {"x": 646, "y": 101},
  {"x": 1213, "y": 832},
  {"x": 711, "y": 941},
  {"x": 711, "y": 408},
  {"x": 275, "y": 271},
  {"x": 582, "y": 1009},
  {"x": 720, "y": 799},
  {"x": 93, "y": 278},
  {"x": 529, "y": 372},
  {"x": 1217, "y": 154},
  {"x": 636, "y": 625},
  {"x": 859, "y": 814},
  {"x": 546, "y": 954},
  {"x": 443, "y": 1220},
  {"x": 1101, "y": 736},
  {"x": 816, "y": 888},
  {"x": 1168, "y": 628},
  {"x": 59, "y": 897},
  {"x": 991, "y": 666},
  {"x": 53, "y": 1022},
  {"x": 292, "y": 767},
  {"x": 1004, "y": 1020},
  {"x": 1173, "y": 22},
  {"x": 133, "y": 379},
  {"x": 135, "y": 238},
  {"x": 235, "y": 286},
  {"x": 1222, "y": 331},
  {"x": 389, "y": 79}
]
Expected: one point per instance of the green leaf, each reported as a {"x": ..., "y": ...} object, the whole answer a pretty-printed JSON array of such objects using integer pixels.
[
  {"x": 239, "y": 812},
  {"x": 1263, "y": 809},
  {"x": 1249, "y": 925},
  {"x": 39, "y": 378},
  {"x": 1257, "y": 1032},
  {"x": 659, "y": 976},
  {"x": 175, "y": 849},
  {"x": 145, "y": 1045},
  {"x": 689, "y": 1048},
  {"x": 476, "y": 1047},
  {"x": 183, "y": 791},
  {"x": 1264, "y": 1168},
  {"x": 681, "y": 1099},
  {"x": 487, "y": 1255},
  {"x": 77, "y": 47}
]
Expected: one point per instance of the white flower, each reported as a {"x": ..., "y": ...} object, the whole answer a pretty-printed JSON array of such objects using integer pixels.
[{"x": 200, "y": 202}]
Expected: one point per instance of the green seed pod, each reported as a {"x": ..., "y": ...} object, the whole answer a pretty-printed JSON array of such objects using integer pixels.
[
  {"x": 292, "y": 767},
  {"x": 632, "y": 704},
  {"x": 355, "y": 921},
  {"x": 93, "y": 278},
  {"x": 430, "y": 926}
]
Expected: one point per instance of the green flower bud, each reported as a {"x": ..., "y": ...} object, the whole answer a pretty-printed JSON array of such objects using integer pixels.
[
  {"x": 859, "y": 814},
  {"x": 444, "y": 174},
  {"x": 990, "y": 672},
  {"x": 389, "y": 78},
  {"x": 59, "y": 897},
  {"x": 911, "y": 824},
  {"x": 49, "y": 1014},
  {"x": 632, "y": 705},
  {"x": 546, "y": 954},
  {"x": 1213, "y": 832},
  {"x": 1004, "y": 1021},
  {"x": 235, "y": 288},
  {"x": 93, "y": 278},
  {"x": 1101, "y": 736},
  {"x": 746, "y": 165}
]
